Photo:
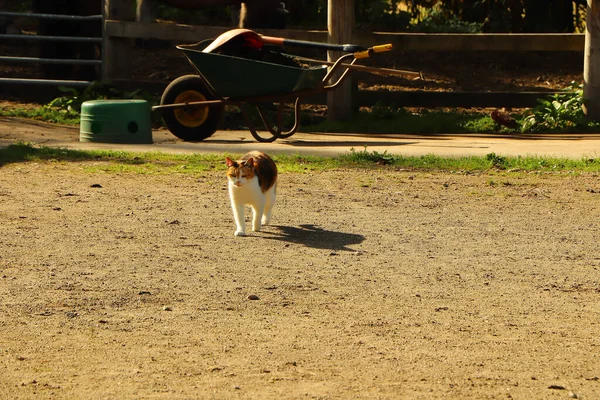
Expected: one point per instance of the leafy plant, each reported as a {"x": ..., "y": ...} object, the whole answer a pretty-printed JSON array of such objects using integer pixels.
[
  {"x": 443, "y": 20},
  {"x": 496, "y": 160},
  {"x": 72, "y": 100},
  {"x": 66, "y": 108},
  {"x": 562, "y": 112}
]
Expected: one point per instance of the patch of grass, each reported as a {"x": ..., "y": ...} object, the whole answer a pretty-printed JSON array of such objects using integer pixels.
[
  {"x": 110, "y": 160},
  {"x": 161, "y": 163},
  {"x": 26, "y": 152},
  {"x": 389, "y": 119},
  {"x": 66, "y": 109},
  {"x": 488, "y": 162},
  {"x": 42, "y": 113}
]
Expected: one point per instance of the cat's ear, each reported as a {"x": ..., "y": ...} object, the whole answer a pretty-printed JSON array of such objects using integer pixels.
[
  {"x": 230, "y": 162},
  {"x": 249, "y": 162}
]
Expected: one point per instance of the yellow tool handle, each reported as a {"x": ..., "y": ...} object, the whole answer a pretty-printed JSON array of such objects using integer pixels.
[{"x": 375, "y": 49}]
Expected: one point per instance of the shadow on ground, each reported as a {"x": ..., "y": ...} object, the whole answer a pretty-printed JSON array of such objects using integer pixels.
[{"x": 313, "y": 236}]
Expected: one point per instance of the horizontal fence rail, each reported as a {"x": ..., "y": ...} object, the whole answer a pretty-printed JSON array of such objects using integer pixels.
[
  {"x": 52, "y": 16},
  {"x": 37, "y": 60},
  {"x": 42, "y": 38},
  {"x": 47, "y": 40},
  {"x": 45, "y": 82}
]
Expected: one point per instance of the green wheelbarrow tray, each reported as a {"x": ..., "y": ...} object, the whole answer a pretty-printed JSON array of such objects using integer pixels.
[{"x": 237, "y": 78}]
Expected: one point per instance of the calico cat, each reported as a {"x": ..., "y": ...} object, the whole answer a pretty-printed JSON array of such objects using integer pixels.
[{"x": 252, "y": 181}]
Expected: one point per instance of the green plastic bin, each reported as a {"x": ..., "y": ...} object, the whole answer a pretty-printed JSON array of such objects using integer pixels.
[{"x": 116, "y": 121}]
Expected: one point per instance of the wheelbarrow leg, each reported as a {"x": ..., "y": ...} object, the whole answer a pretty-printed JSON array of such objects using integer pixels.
[
  {"x": 274, "y": 130},
  {"x": 253, "y": 130},
  {"x": 283, "y": 135},
  {"x": 277, "y": 130}
]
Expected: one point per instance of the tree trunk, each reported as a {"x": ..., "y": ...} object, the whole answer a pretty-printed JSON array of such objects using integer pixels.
[
  {"x": 340, "y": 21},
  {"x": 591, "y": 67}
]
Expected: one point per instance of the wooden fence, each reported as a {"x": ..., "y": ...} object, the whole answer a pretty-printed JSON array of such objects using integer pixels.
[
  {"x": 119, "y": 67},
  {"x": 509, "y": 42},
  {"x": 120, "y": 30}
]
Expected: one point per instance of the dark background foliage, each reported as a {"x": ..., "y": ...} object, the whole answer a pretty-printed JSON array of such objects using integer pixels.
[{"x": 517, "y": 16}]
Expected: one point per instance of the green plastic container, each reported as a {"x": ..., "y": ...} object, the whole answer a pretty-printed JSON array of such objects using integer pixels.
[{"x": 116, "y": 121}]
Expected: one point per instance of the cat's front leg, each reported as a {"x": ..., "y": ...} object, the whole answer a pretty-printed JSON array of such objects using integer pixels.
[
  {"x": 257, "y": 213},
  {"x": 238, "y": 216},
  {"x": 269, "y": 201}
]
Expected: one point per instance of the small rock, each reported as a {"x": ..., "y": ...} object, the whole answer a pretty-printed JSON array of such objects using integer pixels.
[
  {"x": 557, "y": 387},
  {"x": 96, "y": 185},
  {"x": 167, "y": 308},
  {"x": 253, "y": 297},
  {"x": 573, "y": 395}
]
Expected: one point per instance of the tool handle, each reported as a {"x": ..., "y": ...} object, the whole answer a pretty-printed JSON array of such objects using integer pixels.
[{"x": 372, "y": 50}]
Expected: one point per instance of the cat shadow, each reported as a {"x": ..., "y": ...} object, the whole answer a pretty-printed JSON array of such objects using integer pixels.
[{"x": 312, "y": 236}]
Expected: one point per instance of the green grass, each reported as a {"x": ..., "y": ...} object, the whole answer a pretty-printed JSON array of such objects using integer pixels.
[
  {"x": 43, "y": 113},
  {"x": 161, "y": 163},
  {"x": 382, "y": 119}
]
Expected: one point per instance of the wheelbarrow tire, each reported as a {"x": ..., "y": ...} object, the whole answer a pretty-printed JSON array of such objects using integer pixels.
[{"x": 192, "y": 123}]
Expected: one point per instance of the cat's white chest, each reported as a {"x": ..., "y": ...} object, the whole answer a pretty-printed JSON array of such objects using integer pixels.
[{"x": 247, "y": 193}]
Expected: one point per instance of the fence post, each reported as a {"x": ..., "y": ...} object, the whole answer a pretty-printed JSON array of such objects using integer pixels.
[
  {"x": 116, "y": 51},
  {"x": 591, "y": 64},
  {"x": 340, "y": 21}
]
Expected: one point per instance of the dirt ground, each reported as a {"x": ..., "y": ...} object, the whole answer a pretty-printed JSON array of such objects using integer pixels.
[
  {"x": 381, "y": 284},
  {"x": 385, "y": 284}
]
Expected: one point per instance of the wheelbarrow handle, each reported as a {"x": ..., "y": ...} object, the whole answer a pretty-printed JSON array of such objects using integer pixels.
[
  {"x": 372, "y": 50},
  {"x": 346, "y": 48}
]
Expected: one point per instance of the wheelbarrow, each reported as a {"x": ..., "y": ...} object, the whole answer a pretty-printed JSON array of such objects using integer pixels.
[{"x": 234, "y": 70}]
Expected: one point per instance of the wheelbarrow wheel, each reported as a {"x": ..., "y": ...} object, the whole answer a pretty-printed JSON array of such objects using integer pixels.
[{"x": 190, "y": 123}]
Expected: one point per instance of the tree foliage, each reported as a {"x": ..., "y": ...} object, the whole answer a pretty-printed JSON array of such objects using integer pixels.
[
  {"x": 562, "y": 16},
  {"x": 516, "y": 16}
]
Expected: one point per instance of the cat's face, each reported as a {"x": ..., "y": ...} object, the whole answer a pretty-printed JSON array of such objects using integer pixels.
[{"x": 239, "y": 173}]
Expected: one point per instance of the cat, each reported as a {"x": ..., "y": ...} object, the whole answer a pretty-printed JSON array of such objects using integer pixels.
[{"x": 252, "y": 180}]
